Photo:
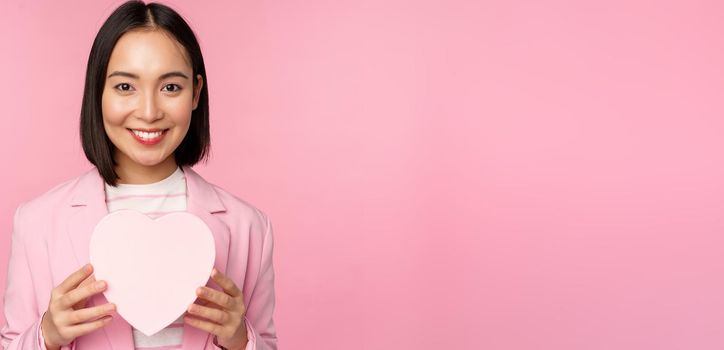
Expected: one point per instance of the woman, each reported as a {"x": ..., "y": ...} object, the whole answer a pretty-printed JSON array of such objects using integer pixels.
[{"x": 144, "y": 123}]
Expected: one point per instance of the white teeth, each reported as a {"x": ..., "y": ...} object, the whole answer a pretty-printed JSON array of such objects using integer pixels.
[{"x": 147, "y": 135}]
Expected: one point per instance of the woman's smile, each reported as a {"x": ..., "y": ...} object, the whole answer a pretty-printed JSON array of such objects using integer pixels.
[{"x": 150, "y": 137}]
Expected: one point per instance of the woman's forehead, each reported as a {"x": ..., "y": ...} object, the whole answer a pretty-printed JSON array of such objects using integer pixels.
[{"x": 148, "y": 53}]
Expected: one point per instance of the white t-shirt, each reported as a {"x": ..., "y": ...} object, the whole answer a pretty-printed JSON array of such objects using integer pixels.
[{"x": 154, "y": 200}]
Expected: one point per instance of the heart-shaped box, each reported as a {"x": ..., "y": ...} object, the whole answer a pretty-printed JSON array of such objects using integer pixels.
[{"x": 152, "y": 266}]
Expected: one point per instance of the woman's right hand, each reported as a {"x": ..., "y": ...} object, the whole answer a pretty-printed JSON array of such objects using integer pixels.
[{"x": 66, "y": 317}]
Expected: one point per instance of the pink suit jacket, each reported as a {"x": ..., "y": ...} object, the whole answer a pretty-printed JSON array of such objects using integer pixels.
[{"x": 50, "y": 240}]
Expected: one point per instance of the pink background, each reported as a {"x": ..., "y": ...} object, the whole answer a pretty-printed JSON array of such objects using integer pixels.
[{"x": 440, "y": 174}]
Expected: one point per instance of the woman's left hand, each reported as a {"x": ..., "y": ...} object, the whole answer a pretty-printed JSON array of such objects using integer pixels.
[{"x": 224, "y": 312}]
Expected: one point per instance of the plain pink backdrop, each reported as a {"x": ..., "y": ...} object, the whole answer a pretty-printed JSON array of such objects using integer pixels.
[{"x": 440, "y": 174}]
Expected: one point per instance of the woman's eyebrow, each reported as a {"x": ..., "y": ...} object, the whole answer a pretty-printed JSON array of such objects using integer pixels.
[
  {"x": 162, "y": 77},
  {"x": 172, "y": 74}
]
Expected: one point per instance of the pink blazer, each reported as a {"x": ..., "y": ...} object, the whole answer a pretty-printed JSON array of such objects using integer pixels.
[{"x": 50, "y": 240}]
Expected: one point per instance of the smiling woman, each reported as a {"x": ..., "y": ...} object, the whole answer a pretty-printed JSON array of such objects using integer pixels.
[
  {"x": 145, "y": 74},
  {"x": 144, "y": 123},
  {"x": 147, "y": 102}
]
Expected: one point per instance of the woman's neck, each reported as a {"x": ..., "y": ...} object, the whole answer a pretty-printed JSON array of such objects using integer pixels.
[{"x": 130, "y": 172}]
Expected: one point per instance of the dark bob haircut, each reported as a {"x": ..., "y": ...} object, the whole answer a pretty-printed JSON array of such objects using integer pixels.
[{"x": 135, "y": 15}]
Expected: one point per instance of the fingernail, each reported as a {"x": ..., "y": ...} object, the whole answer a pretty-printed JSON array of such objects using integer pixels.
[
  {"x": 100, "y": 284},
  {"x": 214, "y": 272},
  {"x": 87, "y": 267},
  {"x": 200, "y": 291}
]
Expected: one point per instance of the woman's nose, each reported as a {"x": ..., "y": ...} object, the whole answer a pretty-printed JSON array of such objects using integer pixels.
[{"x": 148, "y": 110}]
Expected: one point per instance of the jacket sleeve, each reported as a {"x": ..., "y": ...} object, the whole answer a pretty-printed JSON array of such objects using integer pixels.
[
  {"x": 21, "y": 330},
  {"x": 260, "y": 330},
  {"x": 260, "y": 327},
  {"x": 22, "y": 319}
]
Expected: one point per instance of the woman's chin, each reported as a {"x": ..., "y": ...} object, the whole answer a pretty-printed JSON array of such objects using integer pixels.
[{"x": 148, "y": 162}]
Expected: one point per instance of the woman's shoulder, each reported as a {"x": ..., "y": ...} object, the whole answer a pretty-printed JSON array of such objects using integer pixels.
[
  {"x": 35, "y": 215},
  {"x": 54, "y": 197},
  {"x": 237, "y": 206}
]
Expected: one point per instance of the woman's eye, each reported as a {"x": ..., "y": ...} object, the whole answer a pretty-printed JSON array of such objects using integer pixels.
[
  {"x": 172, "y": 87},
  {"x": 123, "y": 87}
]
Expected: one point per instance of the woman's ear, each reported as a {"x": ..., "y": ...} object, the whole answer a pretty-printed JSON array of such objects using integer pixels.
[{"x": 197, "y": 90}]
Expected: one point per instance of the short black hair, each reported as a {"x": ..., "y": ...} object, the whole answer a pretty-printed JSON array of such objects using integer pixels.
[{"x": 133, "y": 15}]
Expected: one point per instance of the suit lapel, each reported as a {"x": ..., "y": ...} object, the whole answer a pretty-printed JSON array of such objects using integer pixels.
[
  {"x": 89, "y": 198},
  {"x": 203, "y": 201}
]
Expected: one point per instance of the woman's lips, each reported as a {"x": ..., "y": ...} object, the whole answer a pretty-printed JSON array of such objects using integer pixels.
[{"x": 149, "y": 142}]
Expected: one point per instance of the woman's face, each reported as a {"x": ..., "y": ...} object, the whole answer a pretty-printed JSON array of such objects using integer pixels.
[{"x": 148, "y": 98}]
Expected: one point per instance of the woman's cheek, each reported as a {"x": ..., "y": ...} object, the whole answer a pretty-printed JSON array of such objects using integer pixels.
[
  {"x": 179, "y": 108},
  {"x": 114, "y": 110}
]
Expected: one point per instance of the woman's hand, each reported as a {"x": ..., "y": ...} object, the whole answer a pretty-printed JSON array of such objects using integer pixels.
[
  {"x": 224, "y": 312},
  {"x": 66, "y": 317}
]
